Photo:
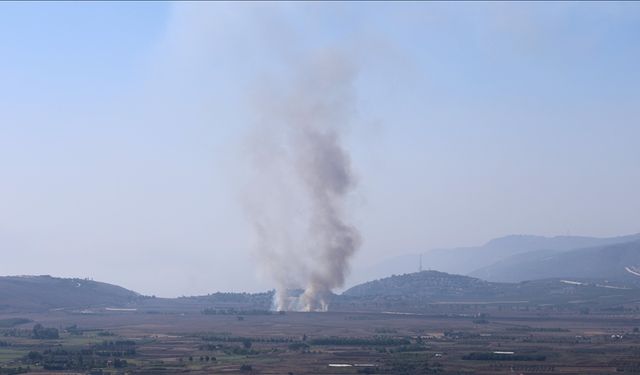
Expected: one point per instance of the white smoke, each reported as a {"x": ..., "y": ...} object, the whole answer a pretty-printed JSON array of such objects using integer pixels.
[{"x": 303, "y": 179}]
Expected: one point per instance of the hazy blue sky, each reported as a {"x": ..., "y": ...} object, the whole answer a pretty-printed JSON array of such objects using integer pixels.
[{"x": 123, "y": 129}]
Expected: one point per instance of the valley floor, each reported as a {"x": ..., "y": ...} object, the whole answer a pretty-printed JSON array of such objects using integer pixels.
[{"x": 494, "y": 342}]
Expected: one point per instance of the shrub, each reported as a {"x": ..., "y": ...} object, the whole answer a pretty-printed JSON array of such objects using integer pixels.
[{"x": 246, "y": 367}]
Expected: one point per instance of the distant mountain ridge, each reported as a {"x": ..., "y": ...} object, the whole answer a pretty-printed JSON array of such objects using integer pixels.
[
  {"x": 612, "y": 262},
  {"x": 466, "y": 260}
]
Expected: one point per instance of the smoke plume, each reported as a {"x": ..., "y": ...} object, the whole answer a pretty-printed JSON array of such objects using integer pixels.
[{"x": 303, "y": 179}]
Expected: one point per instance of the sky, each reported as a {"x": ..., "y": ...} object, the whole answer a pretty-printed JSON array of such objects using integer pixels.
[{"x": 124, "y": 126}]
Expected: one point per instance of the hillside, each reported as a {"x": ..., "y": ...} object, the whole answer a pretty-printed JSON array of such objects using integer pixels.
[
  {"x": 21, "y": 293},
  {"x": 464, "y": 260},
  {"x": 611, "y": 262},
  {"x": 408, "y": 292},
  {"x": 417, "y": 290}
]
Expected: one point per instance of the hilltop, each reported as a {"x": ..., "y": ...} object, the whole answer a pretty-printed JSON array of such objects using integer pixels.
[{"x": 426, "y": 284}]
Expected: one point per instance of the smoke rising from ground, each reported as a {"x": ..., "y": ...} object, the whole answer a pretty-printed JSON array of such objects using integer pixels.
[{"x": 303, "y": 180}]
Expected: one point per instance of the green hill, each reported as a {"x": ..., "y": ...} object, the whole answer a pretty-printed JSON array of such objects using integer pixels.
[
  {"x": 33, "y": 293},
  {"x": 429, "y": 287}
]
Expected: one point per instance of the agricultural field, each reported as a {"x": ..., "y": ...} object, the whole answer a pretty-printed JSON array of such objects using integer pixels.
[{"x": 260, "y": 342}]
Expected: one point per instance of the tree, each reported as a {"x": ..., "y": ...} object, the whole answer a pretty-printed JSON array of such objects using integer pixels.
[
  {"x": 246, "y": 343},
  {"x": 40, "y": 332}
]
